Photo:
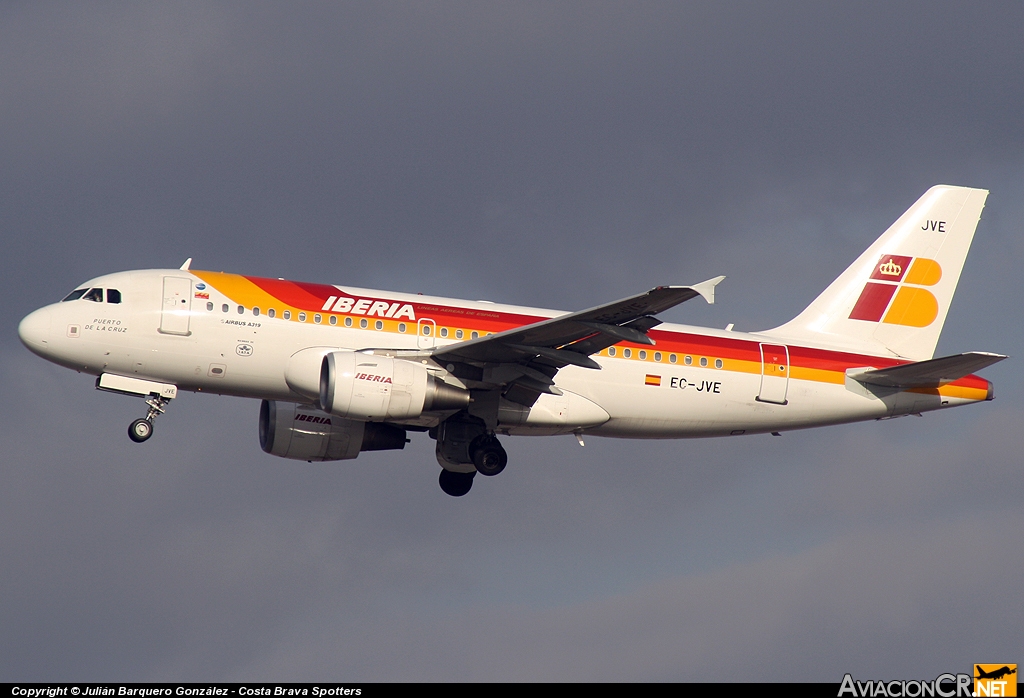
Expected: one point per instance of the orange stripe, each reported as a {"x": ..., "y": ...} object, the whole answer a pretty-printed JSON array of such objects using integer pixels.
[{"x": 738, "y": 355}]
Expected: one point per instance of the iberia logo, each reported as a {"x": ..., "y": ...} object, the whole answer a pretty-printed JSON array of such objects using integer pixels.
[
  {"x": 894, "y": 295},
  {"x": 995, "y": 679}
]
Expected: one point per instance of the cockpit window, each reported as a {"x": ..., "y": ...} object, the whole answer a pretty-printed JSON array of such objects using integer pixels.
[
  {"x": 113, "y": 295},
  {"x": 75, "y": 295},
  {"x": 94, "y": 294}
]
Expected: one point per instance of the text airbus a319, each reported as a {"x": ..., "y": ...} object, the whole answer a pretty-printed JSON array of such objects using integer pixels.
[{"x": 342, "y": 370}]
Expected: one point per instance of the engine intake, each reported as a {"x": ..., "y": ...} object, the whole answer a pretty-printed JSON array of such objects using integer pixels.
[{"x": 365, "y": 386}]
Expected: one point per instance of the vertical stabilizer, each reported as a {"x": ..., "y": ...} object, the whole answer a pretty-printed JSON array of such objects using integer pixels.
[{"x": 895, "y": 297}]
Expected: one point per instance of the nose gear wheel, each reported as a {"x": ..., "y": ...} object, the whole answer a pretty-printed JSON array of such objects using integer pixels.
[{"x": 141, "y": 429}]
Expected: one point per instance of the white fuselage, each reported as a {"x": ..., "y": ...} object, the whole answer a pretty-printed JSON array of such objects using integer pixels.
[{"x": 218, "y": 341}]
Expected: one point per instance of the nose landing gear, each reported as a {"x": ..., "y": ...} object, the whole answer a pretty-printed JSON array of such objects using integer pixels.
[{"x": 141, "y": 429}]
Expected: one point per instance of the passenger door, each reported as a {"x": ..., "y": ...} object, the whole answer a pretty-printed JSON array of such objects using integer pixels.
[
  {"x": 774, "y": 373},
  {"x": 177, "y": 306}
]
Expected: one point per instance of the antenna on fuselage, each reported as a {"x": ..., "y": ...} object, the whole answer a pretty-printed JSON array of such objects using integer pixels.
[{"x": 186, "y": 265}]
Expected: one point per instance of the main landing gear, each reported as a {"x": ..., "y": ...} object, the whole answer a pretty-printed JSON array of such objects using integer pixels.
[
  {"x": 455, "y": 484},
  {"x": 141, "y": 429},
  {"x": 488, "y": 456},
  {"x": 465, "y": 447},
  {"x": 489, "y": 459}
]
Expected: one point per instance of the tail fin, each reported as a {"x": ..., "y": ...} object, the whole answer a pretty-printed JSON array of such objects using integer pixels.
[{"x": 895, "y": 297}]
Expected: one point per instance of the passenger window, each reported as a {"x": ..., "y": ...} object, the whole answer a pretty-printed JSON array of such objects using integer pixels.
[
  {"x": 611, "y": 351},
  {"x": 334, "y": 319},
  {"x": 95, "y": 295},
  {"x": 474, "y": 335},
  {"x": 256, "y": 312},
  {"x": 317, "y": 318},
  {"x": 379, "y": 324},
  {"x": 241, "y": 310},
  {"x": 302, "y": 317},
  {"x": 401, "y": 327},
  {"x": 362, "y": 323},
  {"x": 444, "y": 331},
  {"x": 224, "y": 308},
  {"x": 458, "y": 334},
  {"x": 287, "y": 315},
  {"x": 657, "y": 356},
  {"x": 209, "y": 305},
  {"x": 113, "y": 295},
  {"x": 643, "y": 354},
  {"x": 74, "y": 295},
  {"x": 627, "y": 353},
  {"x": 348, "y": 322},
  {"x": 271, "y": 313}
]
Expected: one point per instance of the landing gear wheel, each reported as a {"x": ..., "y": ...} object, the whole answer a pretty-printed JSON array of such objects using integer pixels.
[
  {"x": 140, "y": 430},
  {"x": 455, "y": 484},
  {"x": 488, "y": 455}
]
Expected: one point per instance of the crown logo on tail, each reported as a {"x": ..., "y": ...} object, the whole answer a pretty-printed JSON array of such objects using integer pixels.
[{"x": 890, "y": 268}]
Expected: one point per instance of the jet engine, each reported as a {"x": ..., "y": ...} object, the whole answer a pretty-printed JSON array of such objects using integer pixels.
[
  {"x": 304, "y": 433},
  {"x": 365, "y": 386}
]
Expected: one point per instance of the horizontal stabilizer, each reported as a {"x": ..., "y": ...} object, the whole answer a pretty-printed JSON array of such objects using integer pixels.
[{"x": 926, "y": 374}]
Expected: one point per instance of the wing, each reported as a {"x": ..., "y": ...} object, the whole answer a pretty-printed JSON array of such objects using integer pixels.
[
  {"x": 526, "y": 359},
  {"x": 927, "y": 374}
]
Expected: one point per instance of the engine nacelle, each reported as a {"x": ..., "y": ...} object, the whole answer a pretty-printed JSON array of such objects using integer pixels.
[
  {"x": 365, "y": 386},
  {"x": 304, "y": 433}
]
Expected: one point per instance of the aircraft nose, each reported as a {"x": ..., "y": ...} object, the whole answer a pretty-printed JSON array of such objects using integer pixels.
[{"x": 34, "y": 330}]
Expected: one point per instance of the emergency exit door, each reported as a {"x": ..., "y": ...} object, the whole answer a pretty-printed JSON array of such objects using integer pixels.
[
  {"x": 177, "y": 306},
  {"x": 774, "y": 373},
  {"x": 425, "y": 331}
]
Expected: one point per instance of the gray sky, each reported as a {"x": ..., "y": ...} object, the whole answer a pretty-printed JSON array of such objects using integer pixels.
[{"x": 547, "y": 154}]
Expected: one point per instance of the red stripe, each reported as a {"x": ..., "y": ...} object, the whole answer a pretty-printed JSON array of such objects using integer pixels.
[
  {"x": 309, "y": 296},
  {"x": 296, "y": 294},
  {"x": 485, "y": 320}
]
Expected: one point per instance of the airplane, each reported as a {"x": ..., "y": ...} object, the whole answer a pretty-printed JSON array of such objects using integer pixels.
[
  {"x": 995, "y": 674},
  {"x": 342, "y": 370}
]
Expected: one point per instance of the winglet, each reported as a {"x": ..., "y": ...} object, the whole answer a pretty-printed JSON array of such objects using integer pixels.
[
  {"x": 186, "y": 265},
  {"x": 706, "y": 289}
]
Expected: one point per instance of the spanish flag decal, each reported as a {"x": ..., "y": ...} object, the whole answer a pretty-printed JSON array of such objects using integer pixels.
[{"x": 652, "y": 380}]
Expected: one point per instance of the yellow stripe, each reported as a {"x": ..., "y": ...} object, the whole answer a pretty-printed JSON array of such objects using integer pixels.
[
  {"x": 240, "y": 290},
  {"x": 818, "y": 375},
  {"x": 244, "y": 292},
  {"x": 963, "y": 392}
]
